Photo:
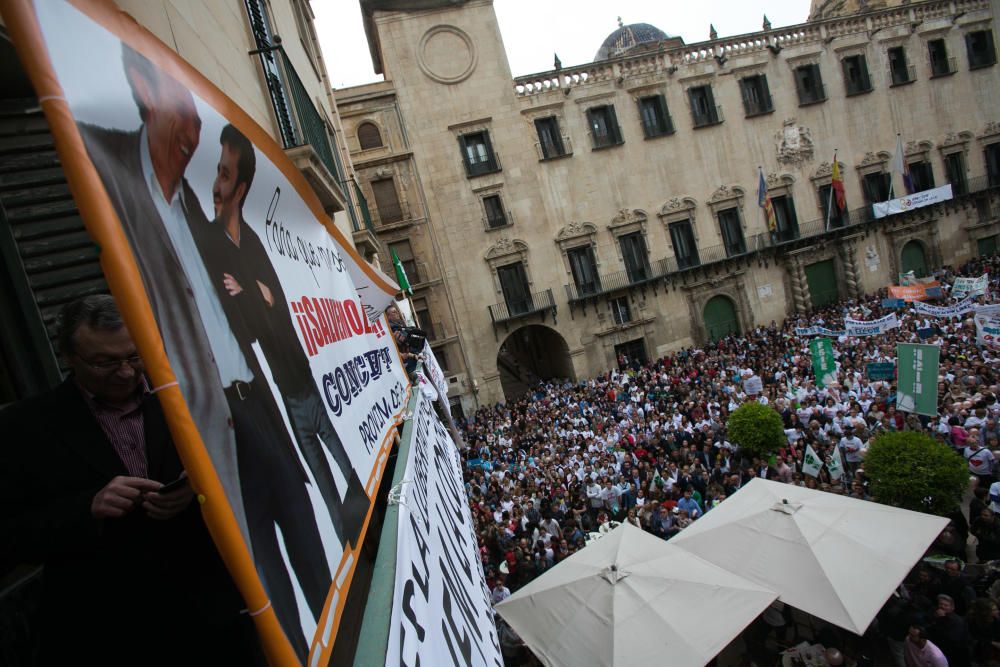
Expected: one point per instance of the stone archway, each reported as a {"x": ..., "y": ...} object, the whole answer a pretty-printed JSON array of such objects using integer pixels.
[
  {"x": 529, "y": 354},
  {"x": 913, "y": 257}
]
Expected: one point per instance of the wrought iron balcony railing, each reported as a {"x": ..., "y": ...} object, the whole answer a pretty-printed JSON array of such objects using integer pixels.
[
  {"x": 299, "y": 123},
  {"x": 511, "y": 309}
]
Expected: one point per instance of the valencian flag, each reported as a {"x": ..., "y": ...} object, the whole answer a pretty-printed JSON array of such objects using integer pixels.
[
  {"x": 404, "y": 283},
  {"x": 764, "y": 201}
]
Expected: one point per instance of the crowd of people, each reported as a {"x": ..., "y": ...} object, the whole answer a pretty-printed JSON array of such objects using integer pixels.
[{"x": 646, "y": 443}]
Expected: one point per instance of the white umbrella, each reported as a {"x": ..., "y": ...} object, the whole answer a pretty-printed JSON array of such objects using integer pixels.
[
  {"x": 834, "y": 557},
  {"x": 631, "y": 599}
]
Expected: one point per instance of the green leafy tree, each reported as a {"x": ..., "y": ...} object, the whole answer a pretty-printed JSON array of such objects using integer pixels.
[
  {"x": 756, "y": 429},
  {"x": 916, "y": 472}
]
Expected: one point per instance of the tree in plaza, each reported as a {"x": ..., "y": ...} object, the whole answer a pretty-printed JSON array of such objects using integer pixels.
[
  {"x": 756, "y": 429},
  {"x": 916, "y": 472}
]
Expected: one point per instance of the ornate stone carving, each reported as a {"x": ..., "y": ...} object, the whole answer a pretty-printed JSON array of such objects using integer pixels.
[
  {"x": 506, "y": 246},
  {"x": 869, "y": 159},
  {"x": 793, "y": 143},
  {"x": 991, "y": 128},
  {"x": 721, "y": 193},
  {"x": 773, "y": 180},
  {"x": 575, "y": 229},
  {"x": 824, "y": 169},
  {"x": 626, "y": 216}
]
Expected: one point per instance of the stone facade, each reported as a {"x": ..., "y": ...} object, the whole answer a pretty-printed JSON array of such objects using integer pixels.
[{"x": 654, "y": 155}]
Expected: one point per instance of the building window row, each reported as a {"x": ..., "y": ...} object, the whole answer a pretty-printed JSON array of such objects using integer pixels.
[{"x": 605, "y": 131}]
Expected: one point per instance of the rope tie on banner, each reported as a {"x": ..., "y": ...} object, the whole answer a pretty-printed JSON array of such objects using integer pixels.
[
  {"x": 163, "y": 386},
  {"x": 407, "y": 416},
  {"x": 396, "y": 493},
  {"x": 48, "y": 98},
  {"x": 261, "y": 610}
]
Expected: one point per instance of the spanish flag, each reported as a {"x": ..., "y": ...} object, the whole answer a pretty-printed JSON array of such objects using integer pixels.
[{"x": 837, "y": 183}]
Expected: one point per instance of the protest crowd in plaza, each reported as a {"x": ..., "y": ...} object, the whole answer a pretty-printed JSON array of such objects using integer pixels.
[{"x": 647, "y": 444}]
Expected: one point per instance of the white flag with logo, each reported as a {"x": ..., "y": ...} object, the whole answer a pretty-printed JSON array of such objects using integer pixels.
[
  {"x": 811, "y": 464},
  {"x": 835, "y": 464}
]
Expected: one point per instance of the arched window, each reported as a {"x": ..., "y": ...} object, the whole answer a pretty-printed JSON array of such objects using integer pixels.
[{"x": 369, "y": 136}]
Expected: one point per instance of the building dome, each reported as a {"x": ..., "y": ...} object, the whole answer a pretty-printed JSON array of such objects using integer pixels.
[{"x": 627, "y": 37}]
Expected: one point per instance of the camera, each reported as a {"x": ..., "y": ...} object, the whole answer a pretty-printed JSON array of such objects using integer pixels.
[{"x": 413, "y": 339}]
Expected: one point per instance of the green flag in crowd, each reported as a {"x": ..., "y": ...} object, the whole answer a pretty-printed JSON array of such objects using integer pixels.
[
  {"x": 823, "y": 364},
  {"x": 404, "y": 283},
  {"x": 917, "y": 368}
]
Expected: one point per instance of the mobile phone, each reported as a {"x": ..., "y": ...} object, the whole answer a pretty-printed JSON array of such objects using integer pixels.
[{"x": 174, "y": 485}]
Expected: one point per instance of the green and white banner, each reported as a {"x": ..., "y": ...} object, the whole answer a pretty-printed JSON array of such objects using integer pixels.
[
  {"x": 824, "y": 366},
  {"x": 918, "y": 375}
]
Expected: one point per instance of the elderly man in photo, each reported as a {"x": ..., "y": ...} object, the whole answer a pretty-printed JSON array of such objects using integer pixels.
[{"x": 143, "y": 174}]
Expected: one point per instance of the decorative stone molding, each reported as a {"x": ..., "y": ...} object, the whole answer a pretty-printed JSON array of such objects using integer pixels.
[
  {"x": 793, "y": 143},
  {"x": 575, "y": 230},
  {"x": 990, "y": 132},
  {"x": 873, "y": 162},
  {"x": 506, "y": 247},
  {"x": 954, "y": 142},
  {"x": 634, "y": 218},
  {"x": 678, "y": 208}
]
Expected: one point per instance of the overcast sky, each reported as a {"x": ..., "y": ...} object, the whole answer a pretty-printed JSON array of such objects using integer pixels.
[{"x": 535, "y": 29}]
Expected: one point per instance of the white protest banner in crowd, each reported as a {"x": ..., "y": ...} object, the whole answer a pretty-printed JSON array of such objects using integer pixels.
[
  {"x": 441, "y": 613},
  {"x": 964, "y": 287},
  {"x": 872, "y": 327},
  {"x": 988, "y": 330},
  {"x": 753, "y": 385},
  {"x": 818, "y": 331},
  {"x": 910, "y": 202},
  {"x": 992, "y": 309},
  {"x": 955, "y": 310},
  {"x": 434, "y": 373}
]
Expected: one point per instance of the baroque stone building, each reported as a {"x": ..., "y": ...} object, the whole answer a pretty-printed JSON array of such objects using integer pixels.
[{"x": 557, "y": 220}]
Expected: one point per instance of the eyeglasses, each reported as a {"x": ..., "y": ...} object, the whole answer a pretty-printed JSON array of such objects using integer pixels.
[{"x": 135, "y": 361}]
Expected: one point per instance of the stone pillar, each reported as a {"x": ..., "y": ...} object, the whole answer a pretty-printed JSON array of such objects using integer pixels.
[
  {"x": 852, "y": 275},
  {"x": 800, "y": 288}
]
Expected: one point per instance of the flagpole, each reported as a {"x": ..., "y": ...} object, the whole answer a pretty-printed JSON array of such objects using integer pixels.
[{"x": 833, "y": 194}]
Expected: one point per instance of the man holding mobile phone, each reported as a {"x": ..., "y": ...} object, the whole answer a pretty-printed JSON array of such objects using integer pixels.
[{"x": 129, "y": 569}]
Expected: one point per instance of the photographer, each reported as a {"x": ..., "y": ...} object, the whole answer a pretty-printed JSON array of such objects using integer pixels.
[{"x": 410, "y": 340}]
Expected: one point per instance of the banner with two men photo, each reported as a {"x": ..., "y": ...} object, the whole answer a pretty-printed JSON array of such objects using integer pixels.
[{"x": 258, "y": 323}]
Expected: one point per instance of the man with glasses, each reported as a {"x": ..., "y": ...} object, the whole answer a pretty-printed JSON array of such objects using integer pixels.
[{"x": 83, "y": 470}]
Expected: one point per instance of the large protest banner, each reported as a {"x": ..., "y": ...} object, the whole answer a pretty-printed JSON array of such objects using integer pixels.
[
  {"x": 818, "y": 331},
  {"x": 441, "y": 613},
  {"x": 917, "y": 292},
  {"x": 870, "y": 327},
  {"x": 988, "y": 330},
  {"x": 910, "y": 202},
  {"x": 967, "y": 305},
  {"x": 916, "y": 388},
  {"x": 824, "y": 366},
  {"x": 964, "y": 287},
  {"x": 257, "y": 322}
]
